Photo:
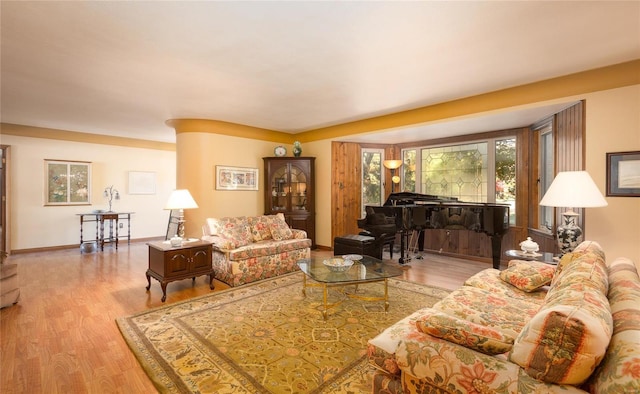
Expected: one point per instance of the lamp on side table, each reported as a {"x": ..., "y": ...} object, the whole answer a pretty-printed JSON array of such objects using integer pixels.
[
  {"x": 180, "y": 200},
  {"x": 572, "y": 189}
]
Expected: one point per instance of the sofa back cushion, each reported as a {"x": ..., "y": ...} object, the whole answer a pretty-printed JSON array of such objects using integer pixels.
[
  {"x": 619, "y": 372},
  {"x": 260, "y": 227},
  {"x": 567, "y": 339},
  {"x": 235, "y": 230},
  {"x": 280, "y": 230}
]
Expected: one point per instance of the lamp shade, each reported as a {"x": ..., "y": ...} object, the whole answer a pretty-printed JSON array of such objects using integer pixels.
[
  {"x": 392, "y": 164},
  {"x": 181, "y": 199},
  {"x": 573, "y": 189}
]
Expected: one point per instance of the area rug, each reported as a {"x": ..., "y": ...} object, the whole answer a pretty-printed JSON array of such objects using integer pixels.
[{"x": 267, "y": 337}]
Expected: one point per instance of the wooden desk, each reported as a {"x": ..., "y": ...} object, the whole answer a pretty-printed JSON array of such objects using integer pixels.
[{"x": 100, "y": 218}]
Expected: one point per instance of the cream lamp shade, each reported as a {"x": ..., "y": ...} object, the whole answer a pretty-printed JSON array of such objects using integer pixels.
[
  {"x": 180, "y": 200},
  {"x": 572, "y": 189}
]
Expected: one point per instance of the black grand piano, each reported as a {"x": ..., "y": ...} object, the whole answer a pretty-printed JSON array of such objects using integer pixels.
[{"x": 414, "y": 211}]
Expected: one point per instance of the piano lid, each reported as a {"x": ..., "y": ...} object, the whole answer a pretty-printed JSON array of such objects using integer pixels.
[{"x": 409, "y": 198}]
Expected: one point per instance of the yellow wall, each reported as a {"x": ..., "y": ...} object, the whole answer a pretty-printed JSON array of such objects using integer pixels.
[
  {"x": 197, "y": 157},
  {"x": 613, "y": 125}
]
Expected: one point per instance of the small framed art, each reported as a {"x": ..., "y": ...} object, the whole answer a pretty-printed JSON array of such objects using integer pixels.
[
  {"x": 67, "y": 182},
  {"x": 236, "y": 178},
  {"x": 623, "y": 174}
]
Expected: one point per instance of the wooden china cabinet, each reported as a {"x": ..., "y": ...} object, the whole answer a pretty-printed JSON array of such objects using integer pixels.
[{"x": 289, "y": 189}]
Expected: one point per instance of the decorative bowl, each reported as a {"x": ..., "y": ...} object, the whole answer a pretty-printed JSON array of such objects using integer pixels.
[
  {"x": 337, "y": 264},
  {"x": 528, "y": 246}
]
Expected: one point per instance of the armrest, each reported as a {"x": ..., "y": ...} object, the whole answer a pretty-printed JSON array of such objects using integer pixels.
[{"x": 219, "y": 243}]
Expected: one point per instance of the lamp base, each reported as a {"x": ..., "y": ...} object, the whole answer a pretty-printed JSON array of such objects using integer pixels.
[{"x": 569, "y": 234}]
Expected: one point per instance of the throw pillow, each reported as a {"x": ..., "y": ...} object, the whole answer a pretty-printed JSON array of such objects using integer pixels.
[
  {"x": 528, "y": 275},
  {"x": 235, "y": 229},
  {"x": 567, "y": 339},
  {"x": 260, "y": 227},
  {"x": 465, "y": 333},
  {"x": 280, "y": 230}
]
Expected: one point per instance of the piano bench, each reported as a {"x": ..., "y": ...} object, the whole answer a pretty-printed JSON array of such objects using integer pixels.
[{"x": 357, "y": 244}]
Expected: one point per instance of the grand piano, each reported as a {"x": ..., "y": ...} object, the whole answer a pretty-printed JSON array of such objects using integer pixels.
[{"x": 414, "y": 211}]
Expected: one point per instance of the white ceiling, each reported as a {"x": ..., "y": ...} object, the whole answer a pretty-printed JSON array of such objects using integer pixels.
[{"x": 124, "y": 68}]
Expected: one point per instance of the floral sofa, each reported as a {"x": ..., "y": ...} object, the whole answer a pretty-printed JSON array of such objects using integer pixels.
[
  {"x": 246, "y": 249},
  {"x": 531, "y": 328}
]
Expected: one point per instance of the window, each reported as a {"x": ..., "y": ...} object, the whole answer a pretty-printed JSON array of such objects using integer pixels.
[
  {"x": 455, "y": 171},
  {"x": 482, "y": 171},
  {"x": 505, "y": 160},
  {"x": 546, "y": 173},
  {"x": 371, "y": 178},
  {"x": 409, "y": 170}
]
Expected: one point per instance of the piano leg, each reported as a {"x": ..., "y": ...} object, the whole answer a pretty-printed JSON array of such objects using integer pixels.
[
  {"x": 404, "y": 242},
  {"x": 496, "y": 249}
]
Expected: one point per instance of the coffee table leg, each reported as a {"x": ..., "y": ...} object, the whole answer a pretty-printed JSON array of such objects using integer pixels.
[
  {"x": 386, "y": 295},
  {"x": 304, "y": 285},
  {"x": 324, "y": 298}
]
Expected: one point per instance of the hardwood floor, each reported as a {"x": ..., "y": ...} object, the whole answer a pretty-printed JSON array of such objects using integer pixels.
[{"x": 61, "y": 337}]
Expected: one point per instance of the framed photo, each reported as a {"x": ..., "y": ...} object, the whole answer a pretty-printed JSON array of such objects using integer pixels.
[
  {"x": 623, "y": 174},
  {"x": 141, "y": 182},
  {"x": 236, "y": 178},
  {"x": 67, "y": 182}
]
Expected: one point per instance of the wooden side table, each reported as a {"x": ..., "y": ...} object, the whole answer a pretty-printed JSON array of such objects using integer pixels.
[
  {"x": 168, "y": 264},
  {"x": 544, "y": 257}
]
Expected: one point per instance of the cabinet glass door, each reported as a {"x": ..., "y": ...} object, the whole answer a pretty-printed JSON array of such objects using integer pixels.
[
  {"x": 280, "y": 188},
  {"x": 298, "y": 189}
]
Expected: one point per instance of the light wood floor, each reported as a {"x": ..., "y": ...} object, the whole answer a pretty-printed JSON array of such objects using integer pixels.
[{"x": 61, "y": 337}]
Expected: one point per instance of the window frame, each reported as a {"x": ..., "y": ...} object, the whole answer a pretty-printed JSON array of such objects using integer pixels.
[
  {"x": 364, "y": 203},
  {"x": 491, "y": 166}
]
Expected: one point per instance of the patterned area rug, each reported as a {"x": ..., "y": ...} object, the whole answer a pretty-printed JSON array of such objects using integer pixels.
[{"x": 267, "y": 337}]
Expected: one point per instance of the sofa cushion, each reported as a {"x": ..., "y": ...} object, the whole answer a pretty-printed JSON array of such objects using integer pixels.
[
  {"x": 483, "y": 307},
  {"x": 567, "y": 339},
  {"x": 474, "y": 336},
  {"x": 565, "y": 261},
  {"x": 527, "y": 275},
  {"x": 268, "y": 248},
  {"x": 280, "y": 230},
  {"x": 619, "y": 372},
  {"x": 489, "y": 279},
  {"x": 235, "y": 230}
]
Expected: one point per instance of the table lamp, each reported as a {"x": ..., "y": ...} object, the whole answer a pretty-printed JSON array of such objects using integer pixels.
[
  {"x": 572, "y": 189},
  {"x": 180, "y": 199},
  {"x": 393, "y": 165}
]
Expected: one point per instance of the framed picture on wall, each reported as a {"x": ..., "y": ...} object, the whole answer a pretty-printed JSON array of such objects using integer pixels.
[
  {"x": 236, "y": 178},
  {"x": 623, "y": 174},
  {"x": 67, "y": 182},
  {"x": 142, "y": 182}
]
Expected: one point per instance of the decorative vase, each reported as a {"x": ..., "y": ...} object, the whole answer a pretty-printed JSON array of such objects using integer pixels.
[
  {"x": 569, "y": 234},
  {"x": 297, "y": 149}
]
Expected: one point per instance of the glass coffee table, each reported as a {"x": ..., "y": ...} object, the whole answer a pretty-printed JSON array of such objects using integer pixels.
[{"x": 366, "y": 270}]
